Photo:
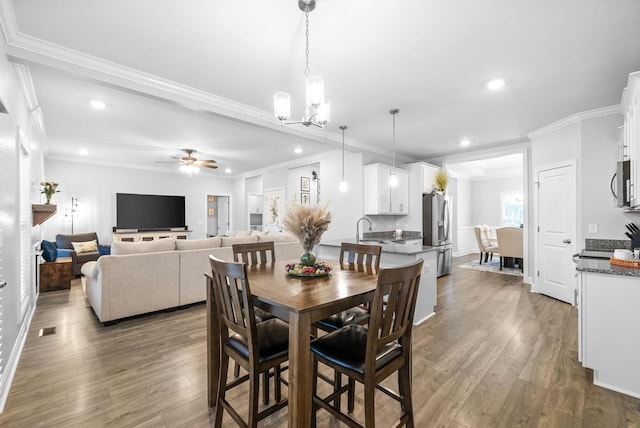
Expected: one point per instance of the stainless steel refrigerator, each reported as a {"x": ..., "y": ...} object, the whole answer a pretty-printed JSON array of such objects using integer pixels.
[{"x": 436, "y": 228}]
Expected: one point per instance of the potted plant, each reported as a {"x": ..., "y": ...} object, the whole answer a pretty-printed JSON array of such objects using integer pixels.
[
  {"x": 441, "y": 181},
  {"x": 48, "y": 188}
]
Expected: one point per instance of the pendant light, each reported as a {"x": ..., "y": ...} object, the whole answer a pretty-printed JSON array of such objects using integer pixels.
[
  {"x": 343, "y": 184},
  {"x": 318, "y": 109},
  {"x": 393, "y": 177}
]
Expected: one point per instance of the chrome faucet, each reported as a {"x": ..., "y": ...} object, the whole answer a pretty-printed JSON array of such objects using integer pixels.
[{"x": 358, "y": 227}]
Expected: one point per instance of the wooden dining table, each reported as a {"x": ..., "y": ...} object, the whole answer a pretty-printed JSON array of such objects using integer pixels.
[{"x": 300, "y": 301}]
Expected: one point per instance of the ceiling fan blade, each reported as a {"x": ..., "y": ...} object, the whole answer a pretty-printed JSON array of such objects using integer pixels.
[
  {"x": 207, "y": 160},
  {"x": 209, "y": 166}
]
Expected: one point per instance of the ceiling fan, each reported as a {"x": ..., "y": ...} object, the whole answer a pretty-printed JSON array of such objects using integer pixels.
[{"x": 190, "y": 163}]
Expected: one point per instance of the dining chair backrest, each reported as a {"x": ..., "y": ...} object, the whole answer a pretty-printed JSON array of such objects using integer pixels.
[
  {"x": 510, "y": 241},
  {"x": 360, "y": 254},
  {"x": 233, "y": 297},
  {"x": 392, "y": 310},
  {"x": 254, "y": 253}
]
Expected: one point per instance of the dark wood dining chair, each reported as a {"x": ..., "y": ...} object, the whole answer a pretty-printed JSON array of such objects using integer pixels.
[
  {"x": 257, "y": 347},
  {"x": 358, "y": 257},
  {"x": 254, "y": 254},
  {"x": 371, "y": 354}
]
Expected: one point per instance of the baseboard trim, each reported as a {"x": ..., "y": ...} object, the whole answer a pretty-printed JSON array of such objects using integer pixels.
[{"x": 14, "y": 358}]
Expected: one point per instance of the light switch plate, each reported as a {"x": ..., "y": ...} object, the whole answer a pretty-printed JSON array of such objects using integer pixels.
[{"x": 593, "y": 227}]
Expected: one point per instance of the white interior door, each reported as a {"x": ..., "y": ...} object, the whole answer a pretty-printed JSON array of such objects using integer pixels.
[
  {"x": 223, "y": 218},
  {"x": 557, "y": 231}
]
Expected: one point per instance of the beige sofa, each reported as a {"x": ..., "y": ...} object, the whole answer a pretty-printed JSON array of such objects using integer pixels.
[{"x": 143, "y": 277}]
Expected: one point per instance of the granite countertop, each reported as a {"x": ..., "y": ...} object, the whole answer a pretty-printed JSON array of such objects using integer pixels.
[
  {"x": 603, "y": 266},
  {"x": 398, "y": 247}
]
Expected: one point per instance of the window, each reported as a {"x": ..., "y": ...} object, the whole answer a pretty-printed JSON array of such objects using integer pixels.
[{"x": 511, "y": 209}]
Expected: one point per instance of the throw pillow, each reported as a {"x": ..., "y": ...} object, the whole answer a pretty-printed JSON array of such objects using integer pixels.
[
  {"x": 49, "y": 251},
  {"x": 104, "y": 250},
  {"x": 85, "y": 247}
]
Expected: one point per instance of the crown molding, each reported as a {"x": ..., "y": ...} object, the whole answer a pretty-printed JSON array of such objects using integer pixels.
[
  {"x": 28, "y": 50},
  {"x": 575, "y": 118}
]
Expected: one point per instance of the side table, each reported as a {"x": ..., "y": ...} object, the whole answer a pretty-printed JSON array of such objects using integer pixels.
[{"x": 56, "y": 275}]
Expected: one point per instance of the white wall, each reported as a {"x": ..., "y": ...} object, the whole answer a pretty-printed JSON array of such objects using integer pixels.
[
  {"x": 599, "y": 157},
  {"x": 13, "y": 324},
  {"x": 96, "y": 186},
  {"x": 485, "y": 199}
]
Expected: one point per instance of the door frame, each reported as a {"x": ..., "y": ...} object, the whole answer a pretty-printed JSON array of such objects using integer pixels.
[
  {"x": 535, "y": 287},
  {"x": 205, "y": 209}
]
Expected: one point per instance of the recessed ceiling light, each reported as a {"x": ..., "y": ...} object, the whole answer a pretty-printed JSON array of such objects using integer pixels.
[
  {"x": 228, "y": 170},
  {"x": 496, "y": 84},
  {"x": 98, "y": 105},
  {"x": 465, "y": 142},
  {"x": 297, "y": 150},
  {"x": 83, "y": 152}
]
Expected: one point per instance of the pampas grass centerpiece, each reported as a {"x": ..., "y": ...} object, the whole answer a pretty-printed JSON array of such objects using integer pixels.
[{"x": 307, "y": 223}]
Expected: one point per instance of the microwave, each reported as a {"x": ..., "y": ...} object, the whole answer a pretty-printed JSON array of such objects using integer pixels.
[{"x": 623, "y": 184}]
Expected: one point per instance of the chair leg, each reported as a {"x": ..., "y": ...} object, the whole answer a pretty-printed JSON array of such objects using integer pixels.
[
  {"x": 369, "y": 401},
  {"x": 404, "y": 388},
  {"x": 222, "y": 385},
  {"x": 277, "y": 385},
  {"x": 254, "y": 394},
  {"x": 351, "y": 395},
  {"x": 265, "y": 387},
  {"x": 486, "y": 257},
  {"x": 480, "y": 257},
  {"x": 500, "y": 262},
  {"x": 337, "y": 383},
  {"x": 314, "y": 392},
  {"x": 491, "y": 258},
  {"x": 236, "y": 370}
]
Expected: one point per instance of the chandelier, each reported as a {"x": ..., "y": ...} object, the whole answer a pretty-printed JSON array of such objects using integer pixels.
[{"x": 318, "y": 109}]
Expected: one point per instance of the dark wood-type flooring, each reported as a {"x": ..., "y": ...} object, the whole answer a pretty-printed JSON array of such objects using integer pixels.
[{"x": 495, "y": 355}]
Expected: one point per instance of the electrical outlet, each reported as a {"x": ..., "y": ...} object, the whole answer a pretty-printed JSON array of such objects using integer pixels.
[{"x": 593, "y": 227}]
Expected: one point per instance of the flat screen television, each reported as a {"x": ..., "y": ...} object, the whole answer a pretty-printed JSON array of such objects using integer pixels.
[{"x": 149, "y": 212}]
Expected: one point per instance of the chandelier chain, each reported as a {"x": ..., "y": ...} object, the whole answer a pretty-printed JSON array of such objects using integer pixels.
[{"x": 306, "y": 65}]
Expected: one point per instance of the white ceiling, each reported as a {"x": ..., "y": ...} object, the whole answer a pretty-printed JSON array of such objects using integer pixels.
[{"x": 201, "y": 74}]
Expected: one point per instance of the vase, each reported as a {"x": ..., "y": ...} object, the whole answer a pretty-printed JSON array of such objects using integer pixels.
[
  {"x": 308, "y": 258},
  {"x": 49, "y": 197}
]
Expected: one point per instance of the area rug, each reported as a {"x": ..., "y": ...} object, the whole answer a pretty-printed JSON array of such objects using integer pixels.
[{"x": 491, "y": 266}]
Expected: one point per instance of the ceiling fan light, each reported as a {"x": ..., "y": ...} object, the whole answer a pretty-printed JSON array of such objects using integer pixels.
[
  {"x": 315, "y": 91},
  {"x": 282, "y": 105},
  {"x": 189, "y": 169}
]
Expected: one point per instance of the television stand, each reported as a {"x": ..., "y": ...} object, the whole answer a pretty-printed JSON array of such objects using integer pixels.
[{"x": 151, "y": 235}]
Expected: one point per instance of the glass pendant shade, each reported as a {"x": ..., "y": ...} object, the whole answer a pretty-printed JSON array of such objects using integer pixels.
[
  {"x": 342, "y": 186},
  {"x": 393, "y": 180},
  {"x": 323, "y": 112},
  {"x": 315, "y": 90},
  {"x": 282, "y": 105}
]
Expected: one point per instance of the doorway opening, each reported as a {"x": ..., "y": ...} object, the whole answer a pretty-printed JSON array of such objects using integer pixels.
[{"x": 217, "y": 215}]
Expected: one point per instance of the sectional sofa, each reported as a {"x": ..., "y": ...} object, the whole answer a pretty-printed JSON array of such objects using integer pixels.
[{"x": 143, "y": 277}]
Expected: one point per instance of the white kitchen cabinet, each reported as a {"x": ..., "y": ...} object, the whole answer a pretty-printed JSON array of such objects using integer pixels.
[
  {"x": 631, "y": 133},
  {"x": 379, "y": 197},
  {"x": 608, "y": 339},
  {"x": 429, "y": 177}
]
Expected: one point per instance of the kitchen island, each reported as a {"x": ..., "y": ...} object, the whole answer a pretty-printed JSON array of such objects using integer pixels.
[
  {"x": 608, "y": 317},
  {"x": 397, "y": 254}
]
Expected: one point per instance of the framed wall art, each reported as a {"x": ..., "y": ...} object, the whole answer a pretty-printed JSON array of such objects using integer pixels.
[
  {"x": 305, "y": 198},
  {"x": 305, "y": 184}
]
